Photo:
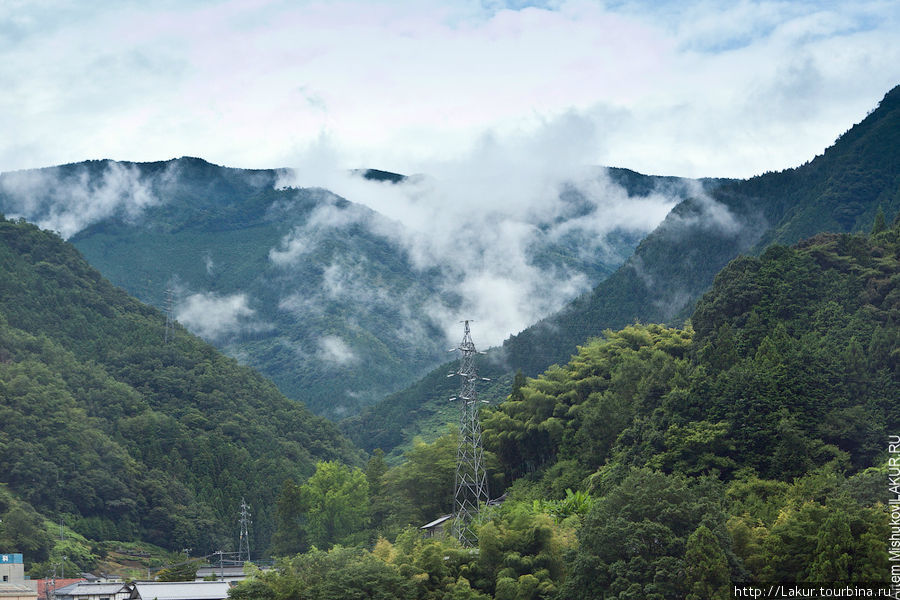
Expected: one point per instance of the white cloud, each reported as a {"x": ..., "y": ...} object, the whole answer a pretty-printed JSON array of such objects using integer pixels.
[
  {"x": 694, "y": 88},
  {"x": 68, "y": 202},
  {"x": 334, "y": 350},
  {"x": 490, "y": 220},
  {"x": 327, "y": 216},
  {"x": 213, "y": 317},
  {"x": 208, "y": 263}
]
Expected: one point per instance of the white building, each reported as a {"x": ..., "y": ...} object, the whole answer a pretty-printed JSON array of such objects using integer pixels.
[
  {"x": 13, "y": 584},
  {"x": 94, "y": 591},
  {"x": 180, "y": 590},
  {"x": 231, "y": 573}
]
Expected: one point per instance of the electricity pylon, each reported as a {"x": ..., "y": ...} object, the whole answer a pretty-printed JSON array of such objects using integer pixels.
[
  {"x": 471, "y": 490},
  {"x": 170, "y": 315},
  {"x": 244, "y": 541}
]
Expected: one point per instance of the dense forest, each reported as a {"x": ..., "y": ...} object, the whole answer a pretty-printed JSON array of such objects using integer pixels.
[
  {"x": 316, "y": 291},
  {"x": 742, "y": 438},
  {"x": 659, "y": 463},
  {"x": 840, "y": 190},
  {"x": 122, "y": 435}
]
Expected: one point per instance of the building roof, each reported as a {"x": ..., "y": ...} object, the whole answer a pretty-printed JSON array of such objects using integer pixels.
[
  {"x": 182, "y": 590},
  {"x": 60, "y": 583},
  {"x": 436, "y": 522},
  {"x": 91, "y": 589},
  {"x": 17, "y": 590},
  {"x": 229, "y": 571}
]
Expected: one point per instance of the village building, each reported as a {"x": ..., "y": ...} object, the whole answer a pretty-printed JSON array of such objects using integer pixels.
[
  {"x": 437, "y": 528},
  {"x": 229, "y": 573},
  {"x": 45, "y": 585},
  {"x": 13, "y": 583},
  {"x": 94, "y": 591},
  {"x": 180, "y": 590}
]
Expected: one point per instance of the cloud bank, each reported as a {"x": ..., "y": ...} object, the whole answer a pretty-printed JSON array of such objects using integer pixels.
[
  {"x": 214, "y": 317},
  {"x": 493, "y": 221},
  {"x": 67, "y": 202},
  {"x": 690, "y": 88}
]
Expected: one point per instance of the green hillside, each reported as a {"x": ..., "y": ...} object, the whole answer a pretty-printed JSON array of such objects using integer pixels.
[
  {"x": 314, "y": 291},
  {"x": 122, "y": 435},
  {"x": 748, "y": 448},
  {"x": 839, "y": 191}
]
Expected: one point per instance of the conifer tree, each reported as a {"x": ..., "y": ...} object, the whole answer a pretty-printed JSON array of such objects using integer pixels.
[{"x": 706, "y": 567}]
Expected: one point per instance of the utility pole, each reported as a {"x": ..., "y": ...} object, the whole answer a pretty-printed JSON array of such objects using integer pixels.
[
  {"x": 51, "y": 587},
  {"x": 471, "y": 489},
  {"x": 244, "y": 540},
  {"x": 170, "y": 315}
]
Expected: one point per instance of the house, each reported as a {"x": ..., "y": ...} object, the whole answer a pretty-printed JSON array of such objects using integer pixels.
[
  {"x": 436, "y": 528},
  {"x": 229, "y": 573},
  {"x": 44, "y": 585},
  {"x": 94, "y": 591},
  {"x": 13, "y": 583},
  {"x": 180, "y": 590}
]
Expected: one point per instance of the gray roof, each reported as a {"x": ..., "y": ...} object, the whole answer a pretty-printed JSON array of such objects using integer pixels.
[
  {"x": 182, "y": 590},
  {"x": 85, "y": 588},
  {"x": 238, "y": 570},
  {"x": 16, "y": 589},
  {"x": 436, "y": 522}
]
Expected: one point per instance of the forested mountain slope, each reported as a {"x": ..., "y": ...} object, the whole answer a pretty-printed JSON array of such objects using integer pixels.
[
  {"x": 838, "y": 191},
  {"x": 791, "y": 361},
  {"x": 122, "y": 435},
  {"x": 316, "y": 291},
  {"x": 747, "y": 449}
]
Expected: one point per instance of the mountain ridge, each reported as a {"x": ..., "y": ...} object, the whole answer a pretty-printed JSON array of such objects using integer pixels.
[
  {"x": 840, "y": 189},
  {"x": 318, "y": 292}
]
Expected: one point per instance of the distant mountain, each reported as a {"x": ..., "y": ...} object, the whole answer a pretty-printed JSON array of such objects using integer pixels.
[
  {"x": 839, "y": 191},
  {"x": 317, "y": 292},
  {"x": 123, "y": 434}
]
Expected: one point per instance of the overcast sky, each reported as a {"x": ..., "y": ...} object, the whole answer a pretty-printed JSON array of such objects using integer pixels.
[{"x": 689, "y": 88}]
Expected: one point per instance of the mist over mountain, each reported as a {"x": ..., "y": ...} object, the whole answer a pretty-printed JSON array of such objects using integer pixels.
[
  {"x": 838, "y": 191},
  {"x": 342, "y": 298}
]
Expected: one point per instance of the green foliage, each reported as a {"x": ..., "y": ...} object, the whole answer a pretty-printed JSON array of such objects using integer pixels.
[
  {"x": 634, "y": 540},
  {"x": 770, "y": 389},
  {"x": 335, "y": 501},
  {"x": 707, "y": 576},
  {"x": 332, "y": 507},
  {"x": 521, "y": 554},
  {"x": 338, "y": 574},
  {"x": 838, "y": 191},
  {"x": 421, "y": 488},
  {"x": 574, "y": 504},
  {"x": 186, "y": 571},
  {"x": 127, "y": 437},
  {"x": 23, "y": 529}
]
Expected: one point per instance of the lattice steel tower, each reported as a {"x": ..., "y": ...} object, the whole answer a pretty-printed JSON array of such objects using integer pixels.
[
  {"x": 170, "y": 315},
  {"x": 244, "y": 541},
  {"x": 471, "y": 489}
]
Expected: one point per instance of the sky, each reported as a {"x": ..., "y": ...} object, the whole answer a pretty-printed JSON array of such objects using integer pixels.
[
  {"x": 495, "y": 104},
  {"x": 690, "y": 88}
]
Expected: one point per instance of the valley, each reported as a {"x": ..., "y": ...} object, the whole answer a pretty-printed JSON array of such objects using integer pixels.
[{"x": 713, "y": 409}]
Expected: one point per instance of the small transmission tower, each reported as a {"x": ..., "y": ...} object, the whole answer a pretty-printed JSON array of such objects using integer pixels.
[
  {"x": 244, "y": 541},
  {"x": 170, "y": 314},
  {"x": 471, "y": 491}
]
